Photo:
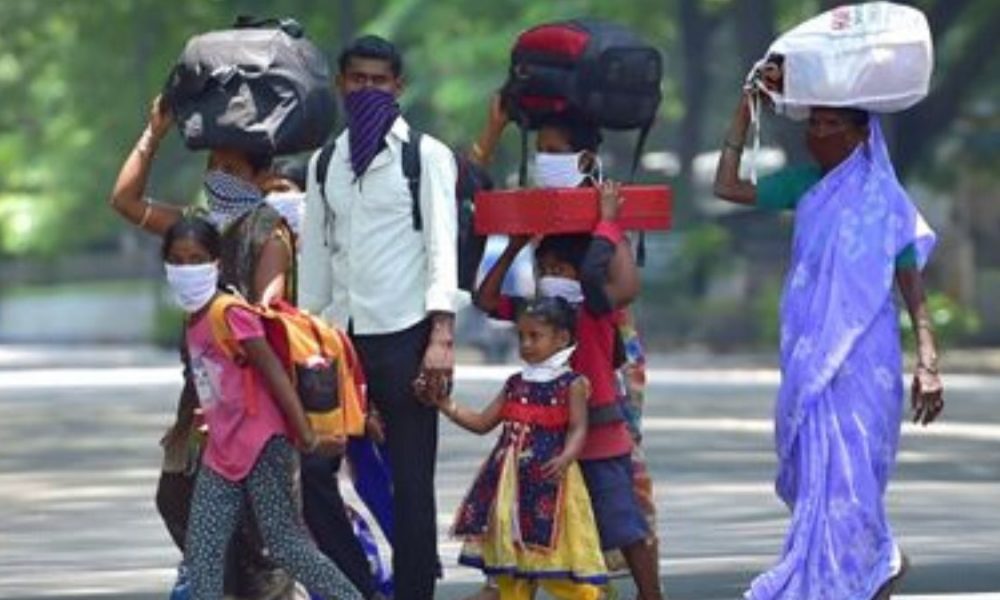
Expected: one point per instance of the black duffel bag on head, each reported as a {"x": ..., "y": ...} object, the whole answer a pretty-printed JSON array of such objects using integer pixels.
[
  {"x": 261, "y": 87},
  {"x": 589, "y": 70},
  {"x": 599, "y": 70}
]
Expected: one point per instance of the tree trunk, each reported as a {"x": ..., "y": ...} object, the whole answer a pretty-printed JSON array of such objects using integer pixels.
[
  {"x": 346, "y": 26},
  {"x": 696, "y": 29},
  {"x": 755, "y": 28}
]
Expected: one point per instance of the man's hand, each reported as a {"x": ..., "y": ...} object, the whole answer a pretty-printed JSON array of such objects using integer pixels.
[
  {"x": 926, "y": 395},
  {"x": 436, "y": 371},
  {"x": 375, "y": 428}
]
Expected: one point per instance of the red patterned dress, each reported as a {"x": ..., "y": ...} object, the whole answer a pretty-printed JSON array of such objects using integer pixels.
[{"x": 514, "y": 520}]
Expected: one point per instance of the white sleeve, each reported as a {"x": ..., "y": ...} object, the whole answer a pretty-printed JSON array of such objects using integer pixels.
[
  {"x": 315, "y": 279},
  {"x": 438, "y": 209}
]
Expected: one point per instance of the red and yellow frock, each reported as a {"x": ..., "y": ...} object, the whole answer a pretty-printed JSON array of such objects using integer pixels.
[{"x": 515, "y": 521}]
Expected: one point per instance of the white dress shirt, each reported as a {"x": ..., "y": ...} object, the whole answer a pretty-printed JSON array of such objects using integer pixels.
[{"x": 371, "y": 268}]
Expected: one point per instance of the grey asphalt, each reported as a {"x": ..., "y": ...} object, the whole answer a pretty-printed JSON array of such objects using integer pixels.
[{"x": 78, "y": 464}]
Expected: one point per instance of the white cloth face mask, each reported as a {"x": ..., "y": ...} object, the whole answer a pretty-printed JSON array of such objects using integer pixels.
[
  {"x": 290, "y": 205},
  {"x": 558, "y": 170},
  {"x": 550, "y": 368},
  {"x": 568, "y": 289},
  {"x": 193, "y": 285}
]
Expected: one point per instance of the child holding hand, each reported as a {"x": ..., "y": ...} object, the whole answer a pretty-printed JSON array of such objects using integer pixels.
[{"x": 527, "y": 518}]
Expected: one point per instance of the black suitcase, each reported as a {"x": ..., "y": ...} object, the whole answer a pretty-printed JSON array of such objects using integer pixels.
[
  {"x": 598, "y": 71},
  {"x": 261, "y": 87}
]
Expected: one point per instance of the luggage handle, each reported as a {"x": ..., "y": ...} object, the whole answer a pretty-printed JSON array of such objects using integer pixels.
[{"x": 290, "y": 26}]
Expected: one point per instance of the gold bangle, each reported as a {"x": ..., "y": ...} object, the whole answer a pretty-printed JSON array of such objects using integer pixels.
[
  {"x": 145, "y": 215},
  {"x": 477, "y": 152},
  {"x": 145, "y": 144}
]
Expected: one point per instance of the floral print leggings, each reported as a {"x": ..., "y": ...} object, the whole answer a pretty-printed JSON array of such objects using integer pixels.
[{"x": 215, "y": 513}]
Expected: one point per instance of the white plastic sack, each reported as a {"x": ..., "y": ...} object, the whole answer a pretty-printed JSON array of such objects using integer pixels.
[{"x": 876, "y": 56}]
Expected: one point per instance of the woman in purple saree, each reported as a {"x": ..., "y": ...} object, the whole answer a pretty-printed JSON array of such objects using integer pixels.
[{"x": 838, "y": 412}]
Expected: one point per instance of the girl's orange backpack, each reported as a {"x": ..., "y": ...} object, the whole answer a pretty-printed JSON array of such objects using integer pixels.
[{"x": 320, "y": 360}]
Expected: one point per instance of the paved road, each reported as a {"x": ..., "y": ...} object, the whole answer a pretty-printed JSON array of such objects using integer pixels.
[{"x": 78, "y": 465}]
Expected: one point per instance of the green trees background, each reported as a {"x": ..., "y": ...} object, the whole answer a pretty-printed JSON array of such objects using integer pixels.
[{"x": 76, "y": 77}]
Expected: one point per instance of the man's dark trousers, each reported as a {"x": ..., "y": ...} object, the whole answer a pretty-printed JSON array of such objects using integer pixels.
[
  {"x": 391, "y": 362},
  {"x": 326, "y": 517}
]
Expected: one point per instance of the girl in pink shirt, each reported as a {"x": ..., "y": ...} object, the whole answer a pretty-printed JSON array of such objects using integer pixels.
[{"x": 249, "y": 456}]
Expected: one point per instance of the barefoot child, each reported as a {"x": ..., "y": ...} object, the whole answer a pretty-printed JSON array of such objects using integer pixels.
[
  {"x": 249, "y": 454},
  {"x": 527, "y": 519}
]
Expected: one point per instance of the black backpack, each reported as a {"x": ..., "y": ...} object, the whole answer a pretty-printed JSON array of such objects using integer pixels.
[
  {"x": 471, "y": 178},
  {"x": 592, "y": 70},
  {"x": 261, "y": 87}
]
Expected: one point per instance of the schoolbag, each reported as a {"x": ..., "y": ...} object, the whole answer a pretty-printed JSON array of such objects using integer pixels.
[
  {"x": 320, "y": 360},
  {"x": 592, "y": 70},
  {"x": 260, "y": 87},
  {"x": 471, "y": 179}
]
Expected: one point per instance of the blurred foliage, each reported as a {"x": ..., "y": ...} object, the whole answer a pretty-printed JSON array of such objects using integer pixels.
[
  {"x": 953, "y": 323},
  {"x": 765, "y": 308},
  {"x": 76, "y": 78}
]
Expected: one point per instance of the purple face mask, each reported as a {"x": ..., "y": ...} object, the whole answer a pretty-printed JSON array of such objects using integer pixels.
[{"x": 370, "y": 114}]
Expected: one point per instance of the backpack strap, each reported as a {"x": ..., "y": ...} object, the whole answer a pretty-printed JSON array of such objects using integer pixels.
[
  {"x": 322, "y": 168},
  {"x": 223, "y": 336},
  {"x": 221, "y": 332},
  {"x": 323, "y": 165},
  {"x": 640, "y": 258},
  {"x": 411, "y": 171}
]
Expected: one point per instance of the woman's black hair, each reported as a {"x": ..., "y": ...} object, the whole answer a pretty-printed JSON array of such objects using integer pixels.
[
  {"x": 553, "y": 311},
  {"x": 373, "y": 47},
  {"x": 259, "y": 161},
  {"x": 855, "y": 116},
  {"x": 197, "y": 229},
  {"x": 582, "y": 134},
  {"x": 294, "y": 170},
  {"x": 568, "y": 248}
]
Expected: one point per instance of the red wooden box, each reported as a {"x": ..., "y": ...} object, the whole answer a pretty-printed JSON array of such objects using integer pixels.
[{"x": 568, "y": 210}]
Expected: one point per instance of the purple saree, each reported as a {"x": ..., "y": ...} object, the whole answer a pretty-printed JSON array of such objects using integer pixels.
[{"x": 839, "y": 407}]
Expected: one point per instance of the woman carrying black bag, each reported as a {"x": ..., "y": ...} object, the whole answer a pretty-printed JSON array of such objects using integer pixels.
[{"x": 260, "y": 272}]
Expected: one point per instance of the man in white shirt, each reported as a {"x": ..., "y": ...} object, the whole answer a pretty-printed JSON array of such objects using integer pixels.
[{"x": 383, "y": 265}]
